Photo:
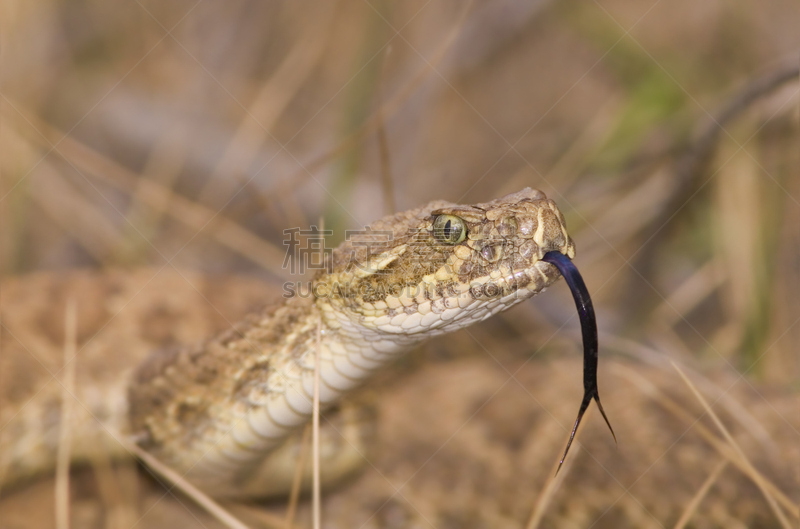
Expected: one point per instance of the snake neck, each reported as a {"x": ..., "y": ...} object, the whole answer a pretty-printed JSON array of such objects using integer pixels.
[{"x": 213, "y": 409}]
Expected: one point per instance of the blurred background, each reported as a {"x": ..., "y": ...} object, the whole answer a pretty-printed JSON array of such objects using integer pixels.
[{"x": 191, "y": 134}]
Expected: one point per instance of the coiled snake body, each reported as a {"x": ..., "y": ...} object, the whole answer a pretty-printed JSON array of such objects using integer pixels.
[{"x": 219, "y": 412}]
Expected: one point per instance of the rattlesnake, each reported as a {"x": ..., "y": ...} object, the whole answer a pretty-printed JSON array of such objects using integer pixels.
[{"x": 218, "y": 411}]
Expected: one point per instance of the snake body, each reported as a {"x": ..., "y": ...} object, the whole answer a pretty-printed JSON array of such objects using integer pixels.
[{"x": 219, "y": 411}]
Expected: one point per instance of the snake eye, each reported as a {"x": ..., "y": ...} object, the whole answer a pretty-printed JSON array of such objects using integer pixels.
[{"x": 449, "y": 229}]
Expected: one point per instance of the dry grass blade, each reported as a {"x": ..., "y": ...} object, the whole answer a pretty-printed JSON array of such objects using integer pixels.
[
  {"x": 316, "y": 483},
  {"x": 117, "y": 498},
  {"x": 5, "y": 459},
  {"x": 387, "y": 186},
  {"x": 729, "y": 438},
  {"x": 317, "y": 496},
  {"x": 261, "y": 517},
  {"x": 701, "y": 493},
  {"x": 199, "y": 497},
  {"x": 65, "y": 432},
  {"x": 294, "y": 495},
  {"x": 553, "y": 483}
]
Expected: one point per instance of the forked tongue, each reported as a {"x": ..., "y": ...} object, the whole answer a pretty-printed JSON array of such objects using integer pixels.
[{"x": 589, "y": 331}]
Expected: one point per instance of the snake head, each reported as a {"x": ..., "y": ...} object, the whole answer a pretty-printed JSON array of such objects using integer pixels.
[
  {"x": 504, "y": 242},
  {"x": 444, "y": 266}
]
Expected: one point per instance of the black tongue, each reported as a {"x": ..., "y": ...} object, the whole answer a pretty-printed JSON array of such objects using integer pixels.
[{"x": 590, "y": 345}]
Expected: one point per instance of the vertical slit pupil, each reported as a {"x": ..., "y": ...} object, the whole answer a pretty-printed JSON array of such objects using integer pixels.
[{"x": 447, "y": 228}]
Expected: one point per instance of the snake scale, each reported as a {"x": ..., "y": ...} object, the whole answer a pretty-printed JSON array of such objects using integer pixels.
[{"x": 220, "y": 411}]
